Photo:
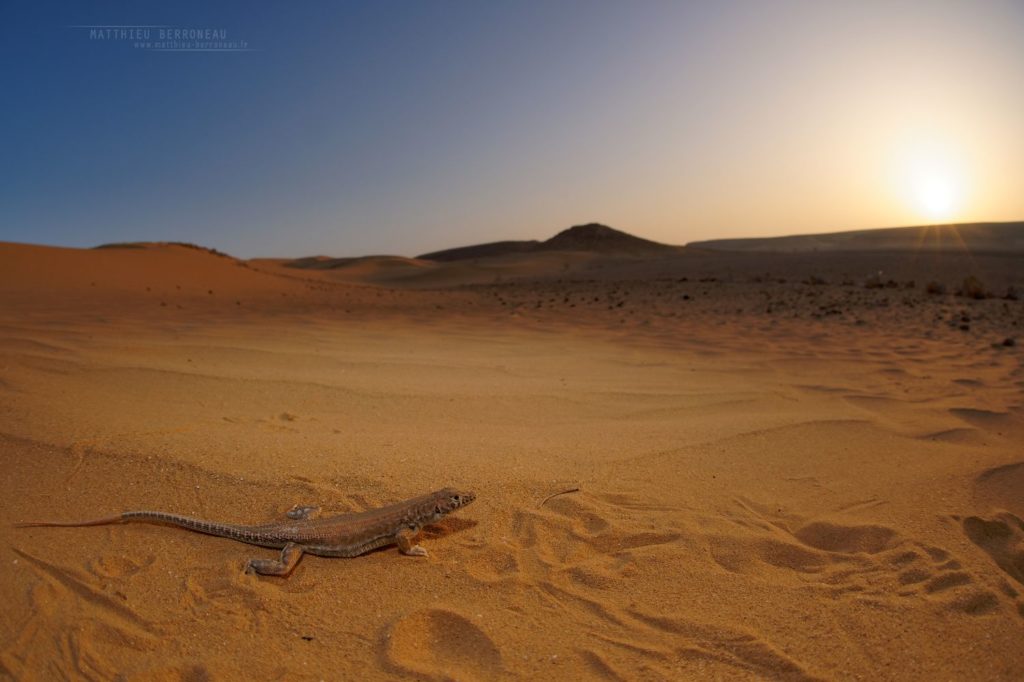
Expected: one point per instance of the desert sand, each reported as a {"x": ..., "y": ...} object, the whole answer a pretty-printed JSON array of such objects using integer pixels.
[{"x": 783, "y": 466}]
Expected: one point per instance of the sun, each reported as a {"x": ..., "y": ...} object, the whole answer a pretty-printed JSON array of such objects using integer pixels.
[
  {"x": 937, "y": 192},
  {"x": 935, "y": 183}
]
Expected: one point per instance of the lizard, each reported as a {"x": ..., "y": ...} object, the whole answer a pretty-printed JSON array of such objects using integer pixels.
[{"x": 345, "y": 535}]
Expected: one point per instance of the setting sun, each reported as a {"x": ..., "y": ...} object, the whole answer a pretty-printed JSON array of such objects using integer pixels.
[
  {"x": 934, "y": 182},
  {"x": 938, "y": 193}
]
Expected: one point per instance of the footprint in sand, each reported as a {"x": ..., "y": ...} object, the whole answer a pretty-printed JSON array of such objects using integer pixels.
[
  {"x": 836, "y": 537},
  {"x": 989, "y": 421},
  {"x": 441, "y": 644},
  {"x": 1002, "y": 538},
  {"x": 1000, "y": 487},
  {"x": 74, "y": 620},
  {"x": 863, "y": 561},
  {"x": 491, "y": 564},
  {"x": 575, "y": 550}
]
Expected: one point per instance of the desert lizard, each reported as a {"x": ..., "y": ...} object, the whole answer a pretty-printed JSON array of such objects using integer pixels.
[{"x": 346, "y": 535}]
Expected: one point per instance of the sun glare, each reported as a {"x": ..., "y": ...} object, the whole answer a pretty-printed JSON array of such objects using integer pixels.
[
  {"x": 935, "y": 183},
  {"x": 937, "y": 193}
]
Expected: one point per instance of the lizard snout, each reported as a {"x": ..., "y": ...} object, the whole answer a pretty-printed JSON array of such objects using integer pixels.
[{"x": 455, "y": 499}]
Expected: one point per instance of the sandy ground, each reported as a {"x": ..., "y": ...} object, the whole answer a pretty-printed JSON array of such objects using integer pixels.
[{"x": 781, "y": 473}]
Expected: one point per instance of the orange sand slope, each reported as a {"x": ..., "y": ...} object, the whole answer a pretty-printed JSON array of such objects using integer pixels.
[{"x": 788, "y": 467}]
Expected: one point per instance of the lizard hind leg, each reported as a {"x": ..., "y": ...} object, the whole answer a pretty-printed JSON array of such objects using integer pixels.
[{"x": 290, "y": 556}]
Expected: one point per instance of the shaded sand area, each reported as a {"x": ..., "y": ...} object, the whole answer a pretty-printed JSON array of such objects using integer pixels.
[{"x": 782, "y": 473}]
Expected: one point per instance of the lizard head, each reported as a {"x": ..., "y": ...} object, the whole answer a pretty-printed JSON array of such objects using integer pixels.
[{"x": 448, "y": 500}]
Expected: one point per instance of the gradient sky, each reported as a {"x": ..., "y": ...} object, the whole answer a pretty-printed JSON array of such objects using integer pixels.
[{"x": 404, "y": 127}]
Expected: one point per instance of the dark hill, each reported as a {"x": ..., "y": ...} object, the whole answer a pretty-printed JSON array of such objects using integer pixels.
[
  {"x": 598, "y": 237},
  {"x": 590, "y": 237}
]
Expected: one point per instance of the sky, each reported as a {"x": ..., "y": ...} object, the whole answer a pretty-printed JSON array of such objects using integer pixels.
[{"x": 353, "y": 128}]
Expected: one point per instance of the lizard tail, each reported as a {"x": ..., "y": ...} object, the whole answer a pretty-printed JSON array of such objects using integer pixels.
[
  {"x": 224, "y": 530},
  {"x": 118, "y": 518}
]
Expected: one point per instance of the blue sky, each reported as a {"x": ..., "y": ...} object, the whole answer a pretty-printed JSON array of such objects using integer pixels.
[{"x": 403, "y": 127}]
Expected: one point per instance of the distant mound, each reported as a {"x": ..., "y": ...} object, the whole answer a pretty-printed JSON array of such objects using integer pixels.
[
  {"x": 358, "y": 270},
  {"x": 598, "y": 237},
  {"x": 592, "y": 237},
  {"x": 970, "y": 237},
  {"x": 328, "y": 263}
]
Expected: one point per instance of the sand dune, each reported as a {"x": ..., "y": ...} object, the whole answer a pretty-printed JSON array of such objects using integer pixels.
[
  {"x": 133, "y": 271},
  {"x": 367, "y": 269},
  {"x": 782, "y": 467},
  {"x": 415, "y": 273}
]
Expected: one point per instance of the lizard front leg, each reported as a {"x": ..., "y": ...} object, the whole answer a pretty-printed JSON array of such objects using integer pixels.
[
  {"x": 302, "y": 512},
  {"x": 290, "y": 556},
  {"x": 404, "y": 538}
]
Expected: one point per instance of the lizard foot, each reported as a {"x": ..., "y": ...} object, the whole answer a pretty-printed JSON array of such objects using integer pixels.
[
  {"x": 290, "y": 556},
  {"x": 415, "y": 550},
  {"x": 404, "y": 539},
  {"x": 302, "y": 512}
]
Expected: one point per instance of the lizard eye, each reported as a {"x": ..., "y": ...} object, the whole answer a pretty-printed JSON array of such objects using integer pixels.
[{"x": 437, "y": 510}]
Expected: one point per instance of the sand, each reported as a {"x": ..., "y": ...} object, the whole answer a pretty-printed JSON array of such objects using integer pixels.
[{"x": 782, "y": 473}]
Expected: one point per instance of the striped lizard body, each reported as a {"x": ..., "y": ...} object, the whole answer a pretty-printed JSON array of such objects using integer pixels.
[{"x": 346, "y": 535}]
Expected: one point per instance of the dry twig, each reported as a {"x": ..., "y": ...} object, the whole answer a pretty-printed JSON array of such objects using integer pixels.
[{"x": 561, "y": 492}]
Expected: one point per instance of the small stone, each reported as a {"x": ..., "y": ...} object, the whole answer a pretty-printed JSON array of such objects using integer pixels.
[{"x": 973, "y": 288}]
